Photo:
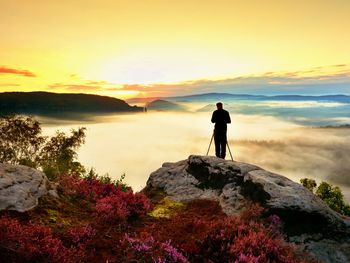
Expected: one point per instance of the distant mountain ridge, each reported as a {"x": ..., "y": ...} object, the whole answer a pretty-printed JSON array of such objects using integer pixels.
[
  {"x": 164, "y": 105},
  {"x": 222, "y": 96},
  {"x": 56, "y": 103}
]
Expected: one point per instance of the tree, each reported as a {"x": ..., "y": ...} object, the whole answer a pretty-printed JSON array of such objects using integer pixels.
[
  {"x": 331, "y": 195},
  {"x": 21, "y": 142},
  {"x": 308, "y": 183},
  {"x": 59, "y": 153}
]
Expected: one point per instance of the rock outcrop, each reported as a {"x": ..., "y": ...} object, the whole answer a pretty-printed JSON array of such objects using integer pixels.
[
  {"x": 308, "y": 221},
  {"x": 21, "y": 186}
]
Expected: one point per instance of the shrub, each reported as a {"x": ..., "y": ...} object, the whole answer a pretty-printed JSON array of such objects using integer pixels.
[
  {"x": 32, "y": 243},
  {"x": 210, "y": 238},
  {"x": 80, "y": 235},
  {"x": 94, "y": 189},
  {"x": 114, "y": 203},
  {"x": 111, "y": 209},
  {"x": 146, "y": 249},
  {"x": 121, "y": 206},
  {"x": 236, "y": 239},
  {"x": 90, "y": 187},
  {"x": 138, "y": 204}
]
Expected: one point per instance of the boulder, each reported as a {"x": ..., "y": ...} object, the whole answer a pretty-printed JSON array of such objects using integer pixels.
[
  {"x": 307, "y": 219},
  {"x": 20, "y": 187}
]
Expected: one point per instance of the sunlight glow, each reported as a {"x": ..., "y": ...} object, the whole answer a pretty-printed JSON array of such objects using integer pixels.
[{"x": 153, "y": 42}]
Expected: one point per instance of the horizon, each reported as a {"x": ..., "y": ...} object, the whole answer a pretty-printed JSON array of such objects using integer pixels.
[
  {"x": 186, "y": 95},
  {"x": 157, "y": 49}
]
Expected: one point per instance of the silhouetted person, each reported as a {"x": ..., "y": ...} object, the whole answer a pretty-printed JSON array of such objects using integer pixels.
[{"x": 220, "y": 117}]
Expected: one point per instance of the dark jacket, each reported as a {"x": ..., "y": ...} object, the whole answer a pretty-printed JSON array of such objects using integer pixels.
[{"x": 221, "y": 117}]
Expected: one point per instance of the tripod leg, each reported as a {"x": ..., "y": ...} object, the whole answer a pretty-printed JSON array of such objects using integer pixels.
[
  {"x": 228, "y": 147},
  {"x": 210, "y": 143}
]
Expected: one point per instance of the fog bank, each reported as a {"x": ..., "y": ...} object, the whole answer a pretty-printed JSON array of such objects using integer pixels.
[{"x": 138, "y": 144}]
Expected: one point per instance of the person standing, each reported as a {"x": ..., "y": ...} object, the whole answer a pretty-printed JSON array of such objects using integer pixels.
[{"x": 220, "y": 117}]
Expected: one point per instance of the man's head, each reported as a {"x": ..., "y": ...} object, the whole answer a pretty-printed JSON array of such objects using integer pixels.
[{"x": 219, "y": 105}]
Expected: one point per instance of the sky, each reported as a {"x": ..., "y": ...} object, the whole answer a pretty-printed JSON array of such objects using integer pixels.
[{"x": 150, "y": 48}]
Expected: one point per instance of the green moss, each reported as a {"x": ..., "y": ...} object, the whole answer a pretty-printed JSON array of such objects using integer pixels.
[
  {"x": 53, "y": 215},
  {"x": 166, "y": 208}
]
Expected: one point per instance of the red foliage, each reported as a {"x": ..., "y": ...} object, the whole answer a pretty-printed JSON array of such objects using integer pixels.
[
  {"x": 200, "y": 232},
  {"x": 32, "y": 243},
  {"x": 113, "y": 205},
  {"x": 111, "y": 209},
  {"x": 81, "y": 235},
  {"x": 146, "y": 249},
  {"x": 120, "y": 206},
  {"x": 88, "y": 188},
  {"x": 236, "y": 240}
]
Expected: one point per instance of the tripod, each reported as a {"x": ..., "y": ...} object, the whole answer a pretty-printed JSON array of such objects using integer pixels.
[{"x": 228, "y": 147}]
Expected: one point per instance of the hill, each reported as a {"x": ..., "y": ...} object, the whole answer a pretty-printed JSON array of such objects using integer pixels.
[
  {"x": 46, "y": 103},
  {"x": 164, "y": 105}
]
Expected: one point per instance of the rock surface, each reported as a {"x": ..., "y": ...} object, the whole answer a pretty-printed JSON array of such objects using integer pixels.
[
  {"x": 20, "y": 187},
  {"x": 307, "y": 220}
]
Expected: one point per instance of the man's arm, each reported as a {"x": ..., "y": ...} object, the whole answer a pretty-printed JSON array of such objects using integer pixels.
[
  {"x": 228, "y": 119},
  {"x": 213, "y": 117}
]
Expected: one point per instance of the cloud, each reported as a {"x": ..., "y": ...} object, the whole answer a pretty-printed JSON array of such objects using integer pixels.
[
  {"x": 75, "y": 87},
  {"x": 97, "y": 82},
  {"x": 9, "y": 85},
  {"x": 25, "y": 73},
  {"x": 340, "y": 65},
  {"x": 317, "y": 80},
  {"x": 166, "y": 89},
  {"x": 81, "y": 85}
]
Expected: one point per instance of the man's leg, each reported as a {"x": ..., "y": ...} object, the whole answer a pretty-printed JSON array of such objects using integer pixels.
[
  {"x": 223, "y": 143},
  {"x": 217, "y": 144}
]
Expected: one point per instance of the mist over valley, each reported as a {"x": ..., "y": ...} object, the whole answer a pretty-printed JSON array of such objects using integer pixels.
[{"x": 297, "y": 139}]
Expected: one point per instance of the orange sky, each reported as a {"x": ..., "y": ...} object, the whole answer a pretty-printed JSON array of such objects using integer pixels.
[{"x": 100, "y": 46}]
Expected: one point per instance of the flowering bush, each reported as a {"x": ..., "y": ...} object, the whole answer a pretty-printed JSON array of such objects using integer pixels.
[
  {"x": 171, "y": 254},
  {"x": 237, "y": 239},
  {"x": 88, "y": 188},
  {"x": 200, "y": 233},
  {"x": 114, "y": 203},
  {"x": 32, "y": 243},
  {"x": 121, "y": 206},
  {"x": 138, "y": 204},
  {"x": 81, "y": 234},
  {"x": 147, "y": 249},
  {"x": 196, "y": 232},
  {"x": 111, "y": 209}
]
